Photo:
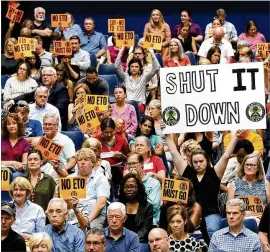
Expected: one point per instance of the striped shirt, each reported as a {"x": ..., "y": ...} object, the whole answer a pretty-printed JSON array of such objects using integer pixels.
[
  {"x": 14, "y": 87},
  {"x": 136, "y": 88}
]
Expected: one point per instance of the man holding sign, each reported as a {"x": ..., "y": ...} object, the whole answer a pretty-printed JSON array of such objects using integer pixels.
[{"x": 97, "y": 187}]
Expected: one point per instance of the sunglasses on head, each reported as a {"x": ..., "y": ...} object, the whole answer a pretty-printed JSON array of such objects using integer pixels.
[{"x": 21, "y": 105}]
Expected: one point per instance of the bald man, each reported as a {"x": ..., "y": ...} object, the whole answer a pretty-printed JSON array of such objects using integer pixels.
[
  {"x": 158, "y": 240},
  {"x": 217, "y": 40}
]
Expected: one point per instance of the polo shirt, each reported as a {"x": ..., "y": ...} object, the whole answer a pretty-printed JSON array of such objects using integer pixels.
[
  {"x": 225, "y": 47},
  {"x": 37, "y": 113},
  {"x": 82, "y": 58},
  {"x": 13, "y": 242},
  {"x": 93, "y": 42},
  {"x": 70, "y": 239},
  {"x": 97, "y": 186},
  {"x": 128, "y": 241}
]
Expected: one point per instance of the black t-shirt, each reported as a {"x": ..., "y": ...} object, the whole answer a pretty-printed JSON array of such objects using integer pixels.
[
  {"x": 206, "y": 190},
  {"x": 8, "y": 65},
  {"x": 265, "y": 221},
  {"x": 46, "y": 40},
  {"x": 13, "y": 242}
]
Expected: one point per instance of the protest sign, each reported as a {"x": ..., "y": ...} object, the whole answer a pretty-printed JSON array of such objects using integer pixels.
[
  {"x": 125, "y": 38},
  {"x": 14, "y": 14},
  {"x": 80, "y": 105},
  {"x": 61, "y": 47},
  {"x": 266, "y": 63},
  {"x": 87, "y": 120},
  {"x": 49, "y": 149},
  {"x": 59, "y": 20},
  {"x": 213, "y": 97},
  {"x": 24, "y": 47},
  {"x": 263, "y": 50},
  {"x": 152, "y": 40},
  {"x": 72, "y": 186},
  {"x": 116, "y": 25},
  {"x": 5, "y": 179},
  {"x": 174, "y": 190},
  {"x": 98, "y": 103},
  {"x": 254, "y": 204}
]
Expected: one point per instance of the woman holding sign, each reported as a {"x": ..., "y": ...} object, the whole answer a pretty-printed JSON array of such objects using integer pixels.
[
  {"x": 135, "y": 79},
  {"x": 176, "y": 56},
  {"x": 43, "y": 184},
  {"x": 251, "y": 182},
  {"x": 158, "y": 25},
  {"x": 179, "y": 239},
  {"x": 205, "y": 178}
]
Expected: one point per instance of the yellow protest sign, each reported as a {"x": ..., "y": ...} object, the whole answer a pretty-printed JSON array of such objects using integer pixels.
[
  {"x": 96, "y": 102},
  {"x": 87, "y": 120},
  {"x": 263, "y": 50},
  {"x": 125, "y": 38},
  {"x": 152, "y": 40},
  {"x": 49, "y": 149},
  {"x": 80, "y": 105},
  {"x": 72, "y": 186},
  {"x": 5, "y": 178},
  {"x": 254, "y": 204},
  {"x": 266, "y": 63},
  {"x": 24, "y": 47},
  {"x": 116, "y": 25},
  {"x": 61, "y": 47},
  {"x": 14, "y": 14},
  {"x": 59, "y": 20},
  {"x": 174, "y": 190}
]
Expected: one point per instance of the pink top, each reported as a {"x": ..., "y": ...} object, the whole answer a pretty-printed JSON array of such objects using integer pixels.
[
  {"x": 252, "y": 41},
  {"x": 184, "y": 62},
  {"x": 114, "y": 52},
  {"x": 130, "y": 118},
  {"x": 165, "y": 31}
]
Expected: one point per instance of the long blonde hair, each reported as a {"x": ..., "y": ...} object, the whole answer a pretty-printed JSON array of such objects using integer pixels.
[{"x": 161, "y": 20}]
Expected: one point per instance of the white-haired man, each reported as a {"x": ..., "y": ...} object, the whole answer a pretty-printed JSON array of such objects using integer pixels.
[
  {"x": 236, "y": 237},
  {"x": 118, "y": 238},
  {"x": 41, "y": 28},
  {"x": 65, "y": 236}
]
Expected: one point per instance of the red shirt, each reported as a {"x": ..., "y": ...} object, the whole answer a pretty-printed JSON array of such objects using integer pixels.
[
  {"x": 120, "y": 145},
  {"x": 169, "y": 63}
]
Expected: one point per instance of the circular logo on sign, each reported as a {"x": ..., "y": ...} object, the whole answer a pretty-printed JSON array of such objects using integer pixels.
[
  {"x": 89, "y": 125},
  {"x": 96, "y": 108},
  {"x": 257, "y": 201},
  {"x": 46, "y": 153},
  {"x": 171, "y": 116},
  {"x": 183, "y": 186},
  {"x": 255, "y": 112},
  {"x": 73, "y": 193}
]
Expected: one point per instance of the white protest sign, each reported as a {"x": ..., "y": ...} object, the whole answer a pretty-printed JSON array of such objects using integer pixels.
[{"x": 213, "y": 97}]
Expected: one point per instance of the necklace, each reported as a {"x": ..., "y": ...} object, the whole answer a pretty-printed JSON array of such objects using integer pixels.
[{"x": 33, "y": 193}]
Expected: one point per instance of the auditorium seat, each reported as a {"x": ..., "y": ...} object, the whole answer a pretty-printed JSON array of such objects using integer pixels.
[
  {"x": 191, "y": 58},
  {"x": 251, "y": 224},
  {"x": 159, "y": 58},
  {"x": 4, "y": 79},
  {"x": 106, "y": 69},
  {"x": 93, "y": 59},
  {"x": 77, "y": 138},
  {"x": 113, "y": 81}
]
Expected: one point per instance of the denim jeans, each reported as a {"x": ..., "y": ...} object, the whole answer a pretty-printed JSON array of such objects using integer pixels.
[{"x": 213, "y": 222}]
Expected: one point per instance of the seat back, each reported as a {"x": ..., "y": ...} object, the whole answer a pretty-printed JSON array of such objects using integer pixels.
[
  {"x": 106, "y": 69},
  {"x": 77, "y": 138},
  {"x": 136, "y": 39},
  {"x": 4, "y": 79},
  {"x": 249, "y": 223},
  {"x": 159, "y": 58},
  {"x": 106, "y": 38},
  {"x": 191, "y": 58},
  {"x": 93, "y": 59},
  {"x": 113, "y": 81}
]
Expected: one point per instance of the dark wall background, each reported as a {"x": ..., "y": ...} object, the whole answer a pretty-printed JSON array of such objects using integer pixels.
[{"x": 137, "y": 13}]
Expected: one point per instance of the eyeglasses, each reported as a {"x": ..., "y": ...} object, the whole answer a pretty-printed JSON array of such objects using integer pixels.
[
  {"x": 137, "y": 53},
  {"x": 94, "y": 243},
  {"x": 131, "y": 187},
  {"x": 47, "y": 75},
  {"x": 49, "y": 124},
  {"x": 132, "y": 164},
  {"x": 250, "y": 165}
]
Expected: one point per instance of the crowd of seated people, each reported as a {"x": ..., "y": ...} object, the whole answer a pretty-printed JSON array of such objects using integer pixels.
[{"x": 125, "y": 159}]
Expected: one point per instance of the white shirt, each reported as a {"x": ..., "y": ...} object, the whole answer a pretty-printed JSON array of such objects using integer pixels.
[
  {"x": 37, "y": 113},
  {"x": 82, "y": 58},
  {"x": 225, "y": 47}
]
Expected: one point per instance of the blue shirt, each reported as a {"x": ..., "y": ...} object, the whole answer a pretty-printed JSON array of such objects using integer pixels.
[
  {"x": 33, "y": 129},
  {"x": 74, "y": 30},
  {"x": 128, "y": 241},
  {"x": 93, "y": 42},
  {"x": 71, "y": 239},
  {"x": 223, "y": 241}
]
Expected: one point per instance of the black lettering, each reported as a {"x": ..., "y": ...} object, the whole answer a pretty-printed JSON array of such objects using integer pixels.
[
  {"x": 182, "y": 195},
  {"x": 55, "y": 18},
  {"x": 90, "y": 99},
  {"x": 63, "y": 17},
  {"x": 81, "y": 119},
  {"x": 78, "y": 183},
  {"x": 4, "y": 175},
  {"x": 147, "y": 38},
  {"x": 252, "y": 71},
  {"x": 239, "y": 72},
  {"x": 66, "y": 184},
  {"x": 44, "y": 142},
  {"x": 259, "y": 209},
  {"x": 170, "y": 193},
  {"x": 191, "y": 115}
]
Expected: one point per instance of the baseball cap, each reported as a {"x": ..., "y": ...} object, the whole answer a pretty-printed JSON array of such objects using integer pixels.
[{"x": 8, "y": 208}]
